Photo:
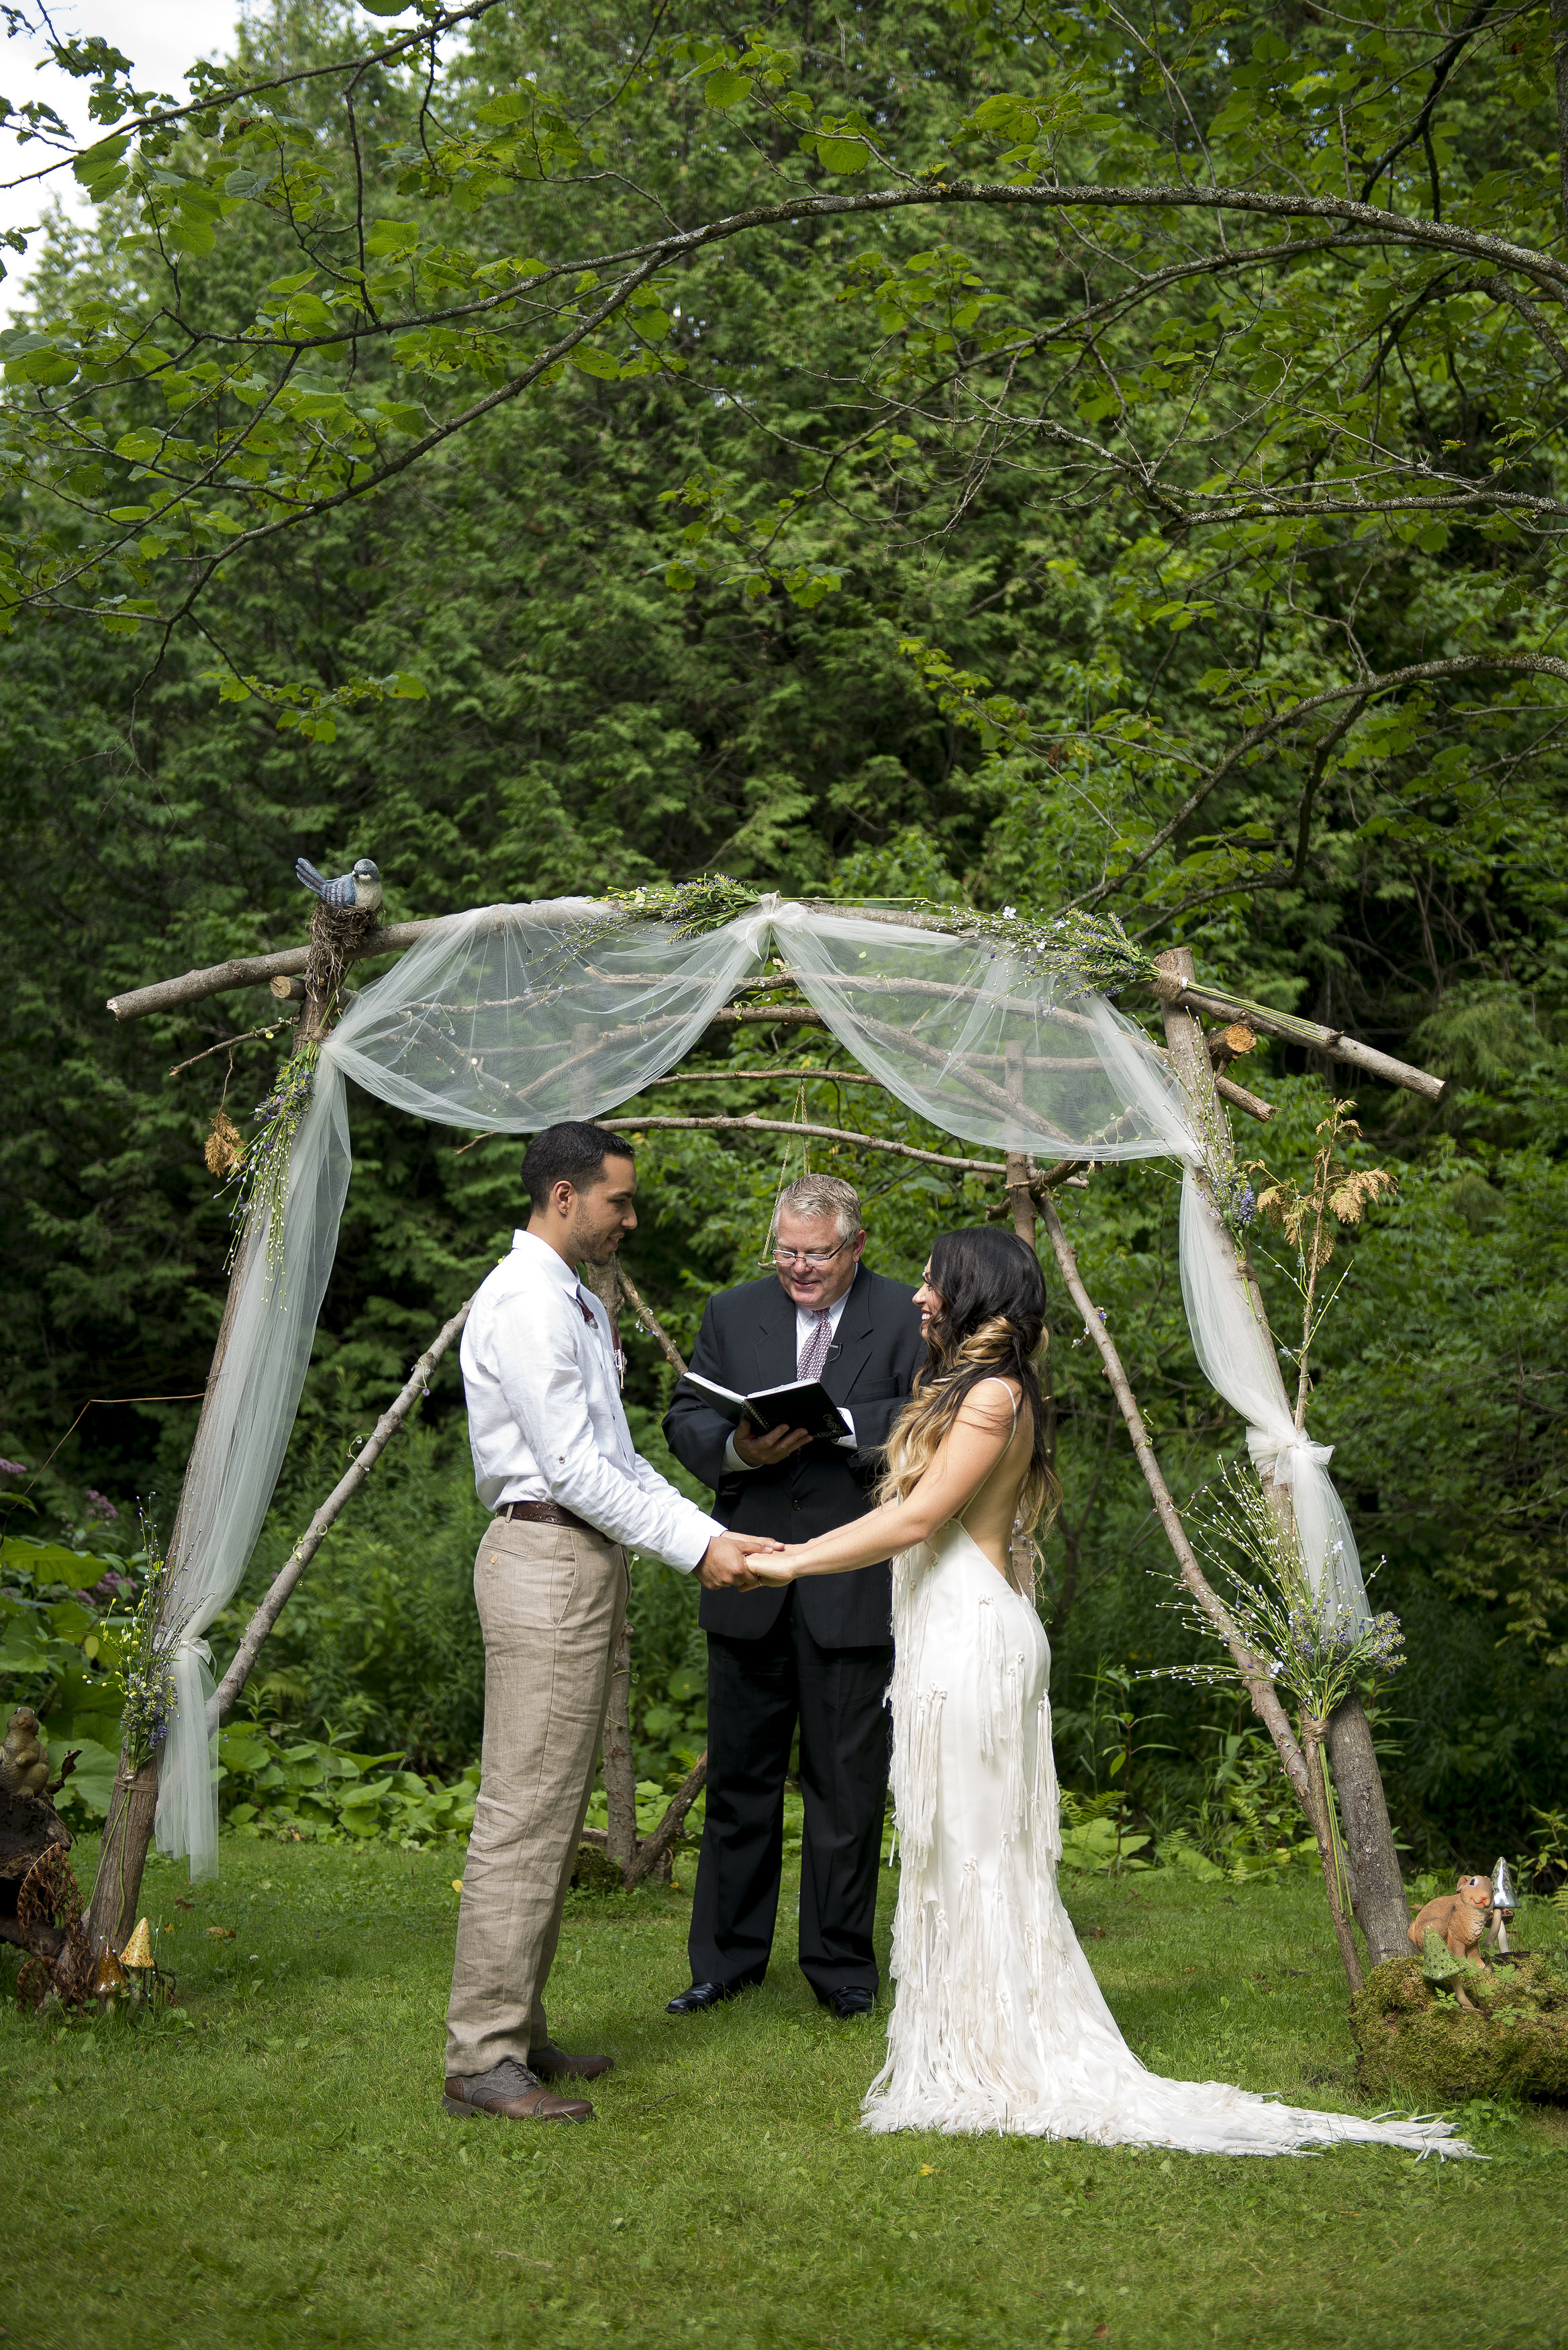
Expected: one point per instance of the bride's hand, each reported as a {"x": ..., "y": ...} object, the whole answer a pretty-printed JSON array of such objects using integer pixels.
[{"x": 775, "y": 1566}]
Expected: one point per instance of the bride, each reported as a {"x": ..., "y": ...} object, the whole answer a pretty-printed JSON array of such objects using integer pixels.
[{"x": 998, "y": 2022}]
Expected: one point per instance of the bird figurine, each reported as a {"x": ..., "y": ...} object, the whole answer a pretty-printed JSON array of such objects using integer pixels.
[
  {"x": 359, "y": 892},
  {"x": 24, "y": 1759}
]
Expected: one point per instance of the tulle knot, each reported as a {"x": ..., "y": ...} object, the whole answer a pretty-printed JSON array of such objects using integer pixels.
[{"x": 1283, "y": 1453}]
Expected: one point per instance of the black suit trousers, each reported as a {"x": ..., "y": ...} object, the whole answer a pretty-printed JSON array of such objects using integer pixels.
[{"x": 757, "y": 1691}]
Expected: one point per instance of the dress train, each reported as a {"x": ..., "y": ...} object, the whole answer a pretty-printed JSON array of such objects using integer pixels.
[{"x": 998, "y": 2023}]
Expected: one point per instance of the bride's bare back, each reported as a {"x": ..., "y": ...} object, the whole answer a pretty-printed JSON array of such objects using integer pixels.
[{"x": 991, "y": 1406}]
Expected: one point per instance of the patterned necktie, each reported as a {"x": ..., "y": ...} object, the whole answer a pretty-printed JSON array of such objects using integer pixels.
[{"x": 813, "y": 1352}]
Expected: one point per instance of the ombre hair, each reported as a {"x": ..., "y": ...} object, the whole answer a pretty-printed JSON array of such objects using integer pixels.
[{"x": 992, "y": 1324}]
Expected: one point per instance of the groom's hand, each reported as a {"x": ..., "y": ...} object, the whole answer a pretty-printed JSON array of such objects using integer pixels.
[{"x": 722, "y": 1566}]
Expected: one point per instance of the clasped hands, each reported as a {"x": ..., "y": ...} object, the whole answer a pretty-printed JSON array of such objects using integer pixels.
[{"x": 744, "y": 1562}]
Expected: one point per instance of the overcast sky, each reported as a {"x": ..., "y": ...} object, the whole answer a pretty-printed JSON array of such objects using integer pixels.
[{"x": 163, "y": 37}]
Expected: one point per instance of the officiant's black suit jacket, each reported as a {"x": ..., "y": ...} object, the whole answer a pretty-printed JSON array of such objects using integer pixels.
[{"x": 748, "y": 1341}]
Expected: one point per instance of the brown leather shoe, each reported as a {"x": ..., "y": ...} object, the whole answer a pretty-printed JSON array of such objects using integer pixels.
[
  {"x": 552, "y": 2063},
  {"x": 522, "y": 2099}
]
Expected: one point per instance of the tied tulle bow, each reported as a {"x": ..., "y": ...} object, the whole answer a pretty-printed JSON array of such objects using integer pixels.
[{"x": 1283, "y": 1453}]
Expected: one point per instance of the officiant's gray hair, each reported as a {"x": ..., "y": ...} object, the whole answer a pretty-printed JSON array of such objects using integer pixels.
[{"x": 821, "y": 1195}]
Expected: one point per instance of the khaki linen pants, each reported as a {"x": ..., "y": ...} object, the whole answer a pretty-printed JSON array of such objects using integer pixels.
[{"x": 551, "y": 1601}]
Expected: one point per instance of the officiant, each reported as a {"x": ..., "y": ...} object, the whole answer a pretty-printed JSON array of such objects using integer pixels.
[{"x": 817, "y": 1655}]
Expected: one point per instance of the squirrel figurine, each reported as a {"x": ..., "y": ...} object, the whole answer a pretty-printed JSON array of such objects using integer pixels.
[
  {"x": 24, "y": 1759},
  {"x": 1457, "y": 1919}
]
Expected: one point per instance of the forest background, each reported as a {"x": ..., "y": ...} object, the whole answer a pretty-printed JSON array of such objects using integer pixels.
[{"x": 843, "y": 573}]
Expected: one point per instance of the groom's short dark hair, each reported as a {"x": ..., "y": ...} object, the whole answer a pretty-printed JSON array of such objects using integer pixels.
[{"x": 572, "y": 1152}]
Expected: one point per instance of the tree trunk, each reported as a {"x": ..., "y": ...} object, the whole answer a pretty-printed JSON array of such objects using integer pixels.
[
  {"x": 621, "y": 1776},
  {"x": 1372, "y": 1865},
  {"x": 1377, "y": 1896},
  {"x": 127, "y": 1835}
]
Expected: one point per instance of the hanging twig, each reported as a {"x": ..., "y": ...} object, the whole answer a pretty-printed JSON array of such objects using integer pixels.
[
  {"x": 227, "y": 1045},
  {"x": 651, "y": 1321}
]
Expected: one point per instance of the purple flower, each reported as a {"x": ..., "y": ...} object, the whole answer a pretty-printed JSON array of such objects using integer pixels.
[
  {"x": 13, "y": 1468},
  {"x": 101, "y": 1511}
]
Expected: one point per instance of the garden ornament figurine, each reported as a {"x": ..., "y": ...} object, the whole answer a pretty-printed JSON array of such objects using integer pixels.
[
  {"x": 23, "y": 1760},
  {"x": 1457, "y": 1919},
  {"x": 1504, "y": 1902},
  {"x": 359, "y": 892}
]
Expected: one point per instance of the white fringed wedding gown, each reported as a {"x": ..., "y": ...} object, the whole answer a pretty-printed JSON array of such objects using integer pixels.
[{"x": 998, "y": 2023}]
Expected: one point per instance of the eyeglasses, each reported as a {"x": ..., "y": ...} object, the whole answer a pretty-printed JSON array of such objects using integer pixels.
[{"x": 813, "y": 1258}]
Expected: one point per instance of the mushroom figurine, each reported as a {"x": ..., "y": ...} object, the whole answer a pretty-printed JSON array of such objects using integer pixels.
[
  {"x": 1504, "y": 1902},
  {"x": 141, "y": 1966}
]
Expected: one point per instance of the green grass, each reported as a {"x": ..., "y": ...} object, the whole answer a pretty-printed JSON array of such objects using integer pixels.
[{"x": 277, "y": 2172}]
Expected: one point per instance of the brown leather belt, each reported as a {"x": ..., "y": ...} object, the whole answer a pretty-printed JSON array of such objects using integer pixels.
[{"x": 546, "y": 1513}]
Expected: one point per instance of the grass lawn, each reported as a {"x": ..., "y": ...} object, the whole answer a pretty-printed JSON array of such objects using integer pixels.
[{"x": 277, "y": 2171}]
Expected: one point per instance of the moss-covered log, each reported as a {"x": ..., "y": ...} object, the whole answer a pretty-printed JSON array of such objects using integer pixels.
[{"x": 1414, "y": 2038}]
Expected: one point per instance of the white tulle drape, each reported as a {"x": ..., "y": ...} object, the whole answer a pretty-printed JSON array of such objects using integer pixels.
[
  {"x": 512, "y": 1017},
  {"x": 263, "y": 1354},
  {"x": 1237, "y": 1355}
]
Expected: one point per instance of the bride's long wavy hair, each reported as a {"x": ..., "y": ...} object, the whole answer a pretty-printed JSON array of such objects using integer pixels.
[{"x": 992, "y": 1324}]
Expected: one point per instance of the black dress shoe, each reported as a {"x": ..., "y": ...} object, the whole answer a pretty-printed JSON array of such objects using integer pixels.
[
  {"x": 853, "y": 2000},
  {"x": 702, "y": 1995}
]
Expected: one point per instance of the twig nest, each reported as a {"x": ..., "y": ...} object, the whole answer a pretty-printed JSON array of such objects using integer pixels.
[
  {"x": 223, "y": 1149},
  {"x": 1509, "y": 2039}
]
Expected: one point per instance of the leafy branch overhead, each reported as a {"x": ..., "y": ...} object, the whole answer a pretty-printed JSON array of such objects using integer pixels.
[{"x": 1241, "y": 294}]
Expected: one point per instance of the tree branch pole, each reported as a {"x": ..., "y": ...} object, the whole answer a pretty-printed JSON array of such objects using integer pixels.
[
  {"x": 133, "y": 1805},
  {"x": 1376, "y": 1891},
  {"x": 221, "y": 1704},
  {"x": 1017, "y": 1176},
  {"x": 1254, "y": 1674},
  {"x": 649, "y": 1321},
  {"x": 654, "y": 1850},
  {"x": 620, "y": 1773}
]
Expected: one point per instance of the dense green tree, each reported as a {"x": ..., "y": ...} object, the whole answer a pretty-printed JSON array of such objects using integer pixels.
[{"x": 939, "y": 534}]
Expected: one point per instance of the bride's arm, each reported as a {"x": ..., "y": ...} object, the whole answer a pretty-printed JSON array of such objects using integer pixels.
[{"x": 964, "y": 1461}]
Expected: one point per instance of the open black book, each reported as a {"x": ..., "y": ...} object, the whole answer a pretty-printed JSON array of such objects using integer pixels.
[{"x": 799, "y": 1403}]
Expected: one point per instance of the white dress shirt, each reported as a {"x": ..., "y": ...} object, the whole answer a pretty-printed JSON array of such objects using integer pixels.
[
  {"x": 806, "y": 1323},
  {"x": 545, "y": 1416}
]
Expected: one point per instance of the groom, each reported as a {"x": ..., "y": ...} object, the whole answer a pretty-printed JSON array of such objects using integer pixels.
[{"x": 817, "y": 1654}]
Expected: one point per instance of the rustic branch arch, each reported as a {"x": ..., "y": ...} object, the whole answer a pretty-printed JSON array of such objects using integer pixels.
[{"x": 508, "y": 1018}]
